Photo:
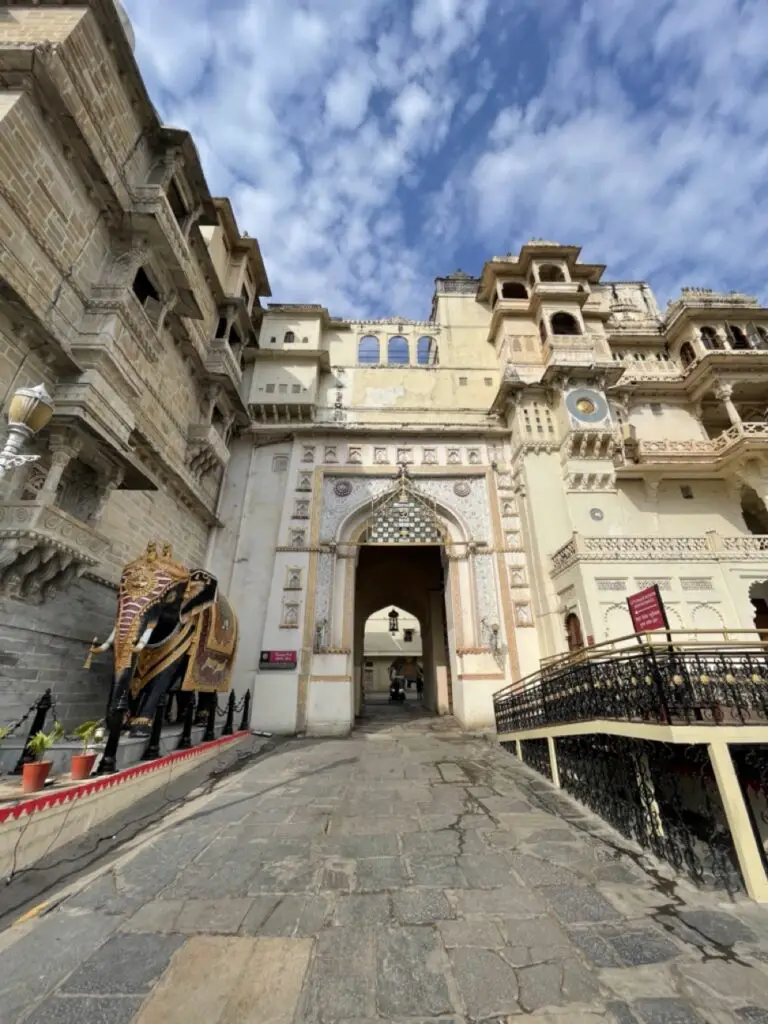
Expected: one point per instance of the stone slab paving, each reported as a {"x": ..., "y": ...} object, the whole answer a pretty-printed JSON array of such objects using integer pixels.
[{"x": 410, "y": 874}]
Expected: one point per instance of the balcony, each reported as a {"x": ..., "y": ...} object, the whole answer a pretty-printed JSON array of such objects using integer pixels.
[
  {"x": 709, "y": 548},
  {"x": 221, "y": 364},
  {"x": 206, "y": 449},
  {"x": 557, "y": 291},
  {"x": 638, "y": 371},
  {"x": 43, "y": 549},
  {"x": 152, "y": 214},
  {"x": 706, "y": 454},
  {"x": 663, "y": 736},
  {"x": 582, "y": 351}
]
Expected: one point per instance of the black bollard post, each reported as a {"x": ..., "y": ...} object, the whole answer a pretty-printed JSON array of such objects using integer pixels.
[
  {"x": 229, "y": 725},
  {"x": 245, "y": 721},
  {"x": 152, "y": 750},
  {"x": 212, "y": 707},
  {"x": 44, "y": 705},
  {"x": 108, "y": 762},
  {"x": 189, "y": 717}
]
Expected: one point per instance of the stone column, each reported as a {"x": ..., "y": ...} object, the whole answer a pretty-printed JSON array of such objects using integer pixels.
[
  {"x": 62, "y": 455},
  {"x": 723, "y": 393}
]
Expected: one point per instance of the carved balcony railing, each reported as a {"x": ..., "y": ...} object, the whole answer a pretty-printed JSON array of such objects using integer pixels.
[
  {"x": 206, "y": 449},
  {"x": 637, "y": 371},
  {"x": 733, "y": 441},
  {"x": 710, "y": 547},
  {"x": 43, "y": 549}
]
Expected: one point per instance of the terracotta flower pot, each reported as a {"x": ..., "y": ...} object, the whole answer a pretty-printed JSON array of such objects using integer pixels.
[
  {"x": 33, "y": 776},
  {"x": 82, "y": 765}
]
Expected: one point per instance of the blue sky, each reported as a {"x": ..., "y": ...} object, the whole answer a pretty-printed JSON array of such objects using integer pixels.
[{"x": 372, "y": 145}]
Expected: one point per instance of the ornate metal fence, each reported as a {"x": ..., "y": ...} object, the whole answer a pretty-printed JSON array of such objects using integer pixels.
[
  {"x": 751, "y": 764},
  {"x": 661, "y": 795},
  {"x": 536, "y": 754},
  {"x": 656, "y": 685}
]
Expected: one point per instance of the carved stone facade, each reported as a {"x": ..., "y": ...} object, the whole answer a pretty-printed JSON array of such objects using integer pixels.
[{"x": 551, "y": 443}]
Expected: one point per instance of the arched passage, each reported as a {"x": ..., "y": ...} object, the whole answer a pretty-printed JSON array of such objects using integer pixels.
[{"x": 410, "y": 577}]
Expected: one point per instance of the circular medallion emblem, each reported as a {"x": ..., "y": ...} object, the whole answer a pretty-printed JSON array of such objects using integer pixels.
[
  {"x": 597, "y": 514},
  {"x": 137, "y": 580},
  {"x": 462, "y": 489},
  {"x": 342, "y": 488},
  {"x": 587, "y": 406}
]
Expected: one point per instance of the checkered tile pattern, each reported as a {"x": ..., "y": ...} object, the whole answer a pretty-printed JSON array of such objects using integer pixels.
[{"x": 403, "y": 521}]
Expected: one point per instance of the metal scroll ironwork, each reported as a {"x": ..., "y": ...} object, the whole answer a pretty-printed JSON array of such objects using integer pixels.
[
  {"x": 663, "y": 796},
  {"x": 536, "y": 754}
]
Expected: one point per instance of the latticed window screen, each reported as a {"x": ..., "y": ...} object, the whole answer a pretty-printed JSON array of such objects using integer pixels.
[{"x": 404, "y": 520}]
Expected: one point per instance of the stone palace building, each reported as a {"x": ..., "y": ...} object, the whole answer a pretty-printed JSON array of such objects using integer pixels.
[{"x": 507, "y": 471}]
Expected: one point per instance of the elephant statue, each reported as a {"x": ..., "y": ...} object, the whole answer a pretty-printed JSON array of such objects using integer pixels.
[{"x": 173, "y": 632}]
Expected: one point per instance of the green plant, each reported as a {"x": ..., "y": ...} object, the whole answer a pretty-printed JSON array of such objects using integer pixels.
[
  {"x": 86, "y": 733},
  {"x": 4, "y": 730},
  {"x": 38, "y": 744}
]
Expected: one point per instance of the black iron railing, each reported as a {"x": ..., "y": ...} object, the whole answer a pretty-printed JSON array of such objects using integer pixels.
[
  {"x": 663, "y": 796},
  {"x": 652, "y": 683},
  {"x": 536, "y": 754}
]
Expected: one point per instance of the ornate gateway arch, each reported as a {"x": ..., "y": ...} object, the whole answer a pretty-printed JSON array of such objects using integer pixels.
[{"x": 379, "y": 510}]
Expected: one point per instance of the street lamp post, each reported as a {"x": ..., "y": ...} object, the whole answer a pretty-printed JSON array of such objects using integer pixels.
[{"x": 30, "y": 410}]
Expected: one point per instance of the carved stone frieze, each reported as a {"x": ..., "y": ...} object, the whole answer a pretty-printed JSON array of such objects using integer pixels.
[
  {"x": 43, "y": 549},
  {"x": 206, "y": 449}
]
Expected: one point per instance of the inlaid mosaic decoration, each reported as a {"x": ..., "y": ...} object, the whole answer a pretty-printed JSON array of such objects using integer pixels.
[{"x": 404, "y": 519}]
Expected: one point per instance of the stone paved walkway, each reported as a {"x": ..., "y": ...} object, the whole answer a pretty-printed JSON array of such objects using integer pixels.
[{"x": 410, "y": 874}]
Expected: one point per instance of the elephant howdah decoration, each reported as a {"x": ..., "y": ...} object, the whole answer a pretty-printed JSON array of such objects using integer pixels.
[{"x": 173, "y": 632}]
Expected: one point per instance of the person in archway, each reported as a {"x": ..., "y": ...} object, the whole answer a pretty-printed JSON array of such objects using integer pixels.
[{"x": 420, "y": 682}]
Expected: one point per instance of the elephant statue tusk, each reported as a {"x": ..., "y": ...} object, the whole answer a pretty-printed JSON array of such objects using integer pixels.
[
  {"x": 98, "y": 650},
  {"x": 144, "y": 640}
]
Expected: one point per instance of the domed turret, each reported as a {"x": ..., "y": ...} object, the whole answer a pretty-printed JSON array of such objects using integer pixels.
[{"x": 126, "y": 23}]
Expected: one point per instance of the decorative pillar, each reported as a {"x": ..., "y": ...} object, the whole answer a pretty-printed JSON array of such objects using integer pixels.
[
  {"x": 723, "y": 393},
  {"x": 62, "y": 454},
  {"x": 742, "y": 833}
]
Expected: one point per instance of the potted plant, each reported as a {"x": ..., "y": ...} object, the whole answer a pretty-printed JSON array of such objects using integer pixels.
[
  {"x": 34, "y": 773},
  {"x": 82, "y": 764}
]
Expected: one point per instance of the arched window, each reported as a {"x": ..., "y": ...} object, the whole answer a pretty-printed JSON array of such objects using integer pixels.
[
  {"x": 397, "y": 351},
  {"x": 426, "y": 351},
  {"x": 514, "y": 290},
  {"x": 761, "y": 336},
  {"x": 368, "y": 350},
  {"x": 289, "y": 338},
  {"x": 549, "y": 272},
  {"x": 738, "y": 337},
  {"x": 564, "y": 323},
  {"x": 687, "y": 355},
  {"x": 709, "y": 338}
]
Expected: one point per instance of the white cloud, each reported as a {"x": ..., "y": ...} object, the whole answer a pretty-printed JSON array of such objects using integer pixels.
[{"x": 372, "y": 144}]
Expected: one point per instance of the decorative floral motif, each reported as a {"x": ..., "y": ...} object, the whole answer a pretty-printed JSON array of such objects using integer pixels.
[
  {"x": 454, "y": 456},
  {"x": 523, "y": 614},
  {"x": 355, "y": 455},
  {"x": 290, "y": 619},
  {"x": 308, "y": 454},
  {"x": 301, "y": 509},
  {"x": 380, "y": 456},
  {"x": 298, "y": 538},
  {"x": 405, "y": 455},
  {"x": 342, "y": 488},
  {"x": 293, "y": 578},
  {"x": 304, "y": 482},
  {"x": 474, "y": 456},
  {"x": 331, "y": 453},
  {"x": 429, "y": 457},
  {"x": 462, "y": 489}
]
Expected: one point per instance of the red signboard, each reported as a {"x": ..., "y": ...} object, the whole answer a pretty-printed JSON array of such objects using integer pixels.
[
  {"x": 647, "y": 610},
  {"x": 270, "y": 660}
]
